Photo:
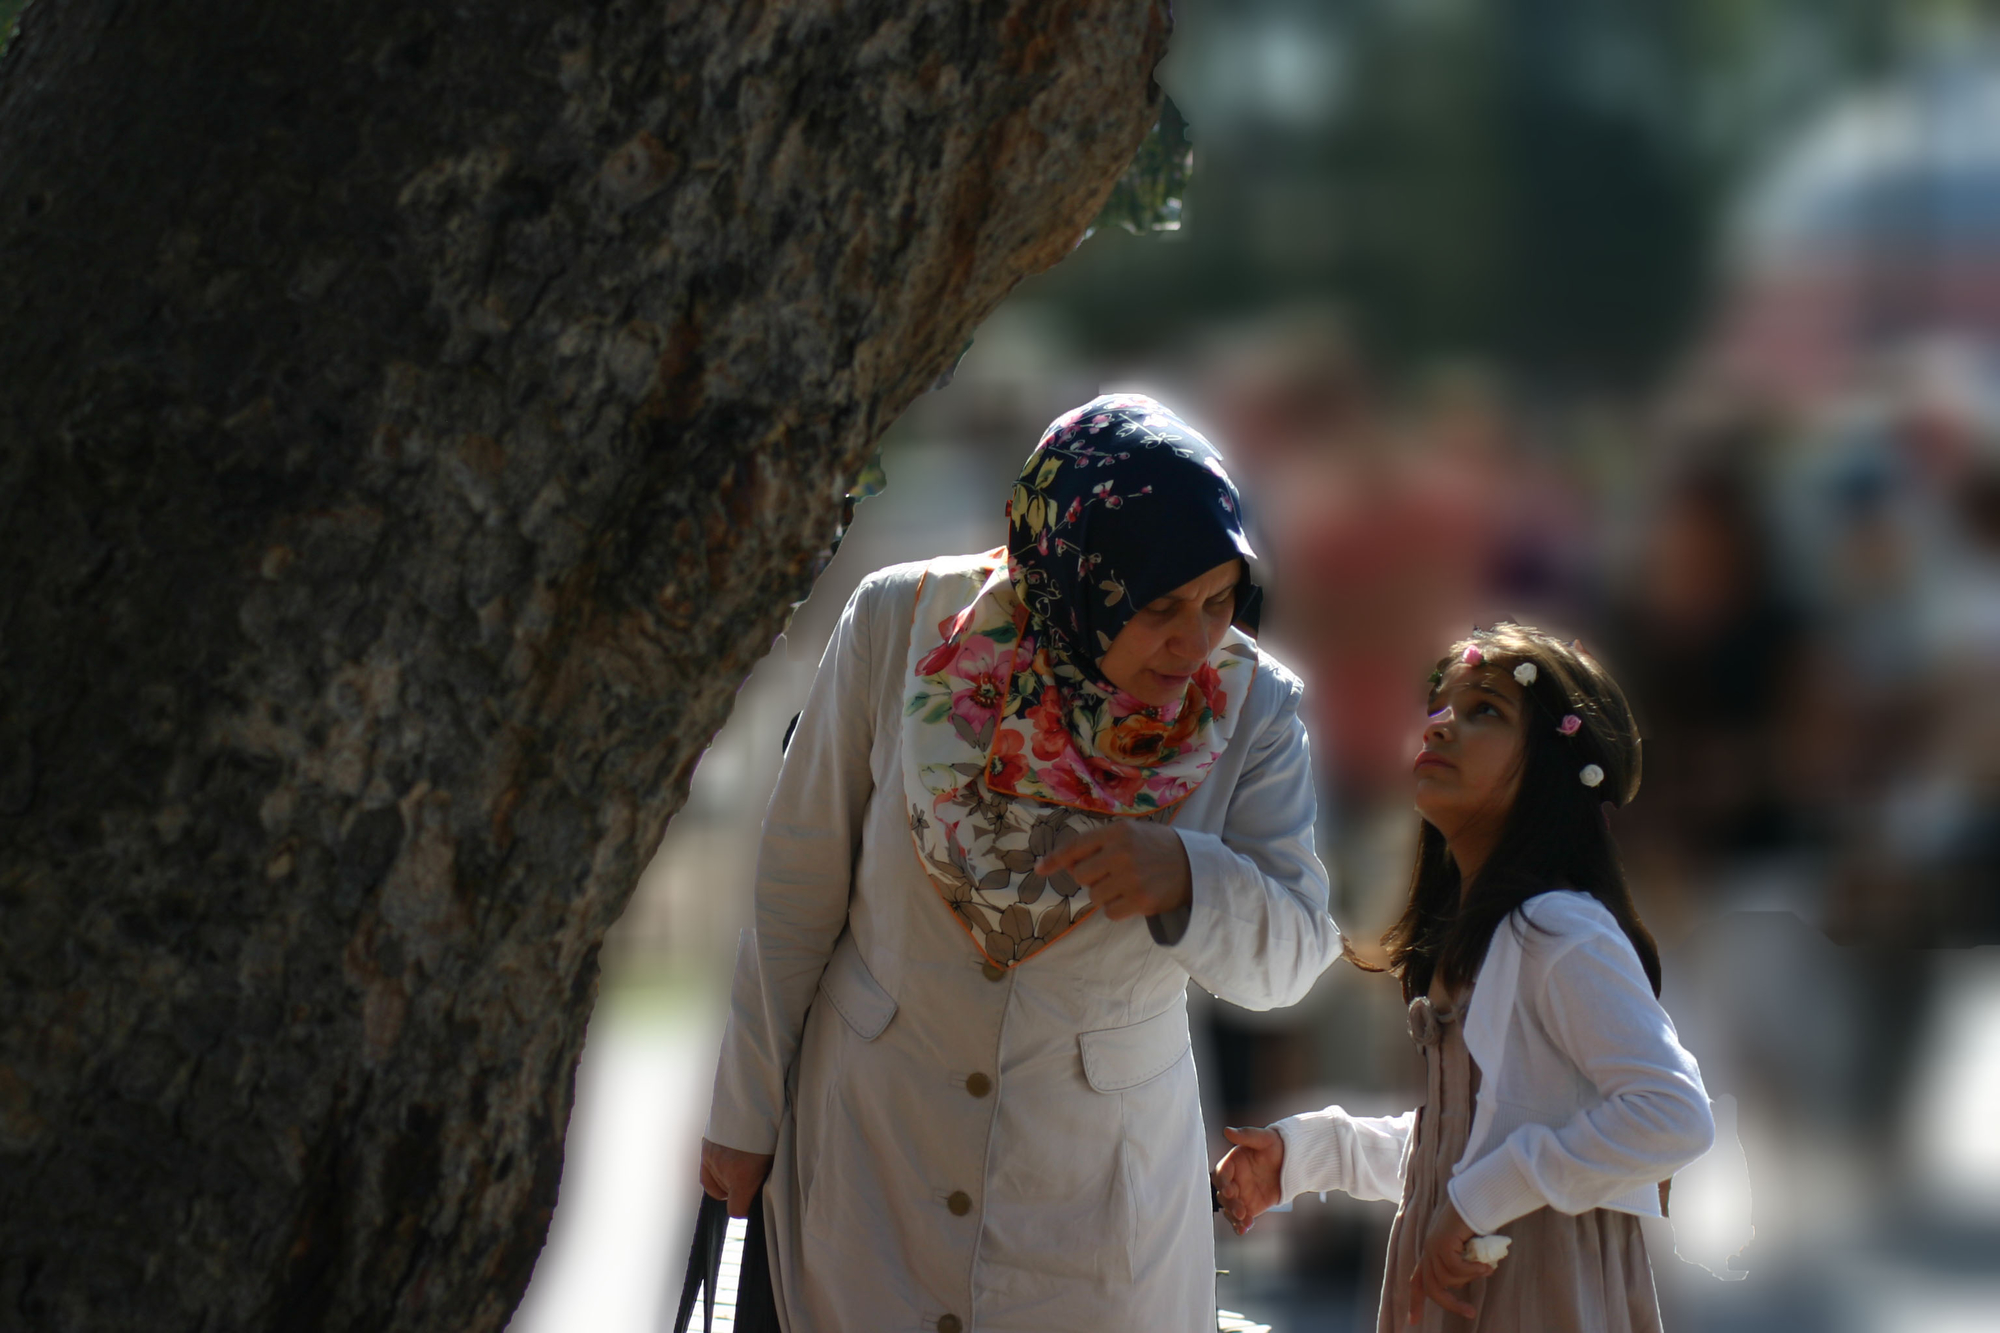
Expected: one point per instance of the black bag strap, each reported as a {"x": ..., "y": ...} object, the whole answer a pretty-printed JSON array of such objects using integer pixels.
[
  {"x": 756, "y": 1303},
  {"x": 711, "y": 1226}
]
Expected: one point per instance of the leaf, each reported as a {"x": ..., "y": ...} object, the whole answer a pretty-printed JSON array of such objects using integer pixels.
[
  {"x": 1020, "y": 862},
  {"x": 936, "y": 715},
  {"x": 1031, "y": 888},
  {"x": 1114, "y": 591},
  {"x": 1054, "y": 921},
  {"x": 964, "y": 730},
  {"x": 999, "y": 947},
  {"x": 994, "y": 880},
  {"x": 983, "y": 739},
  {"x": 1065, "y": 884},
  {"x": 1048, "y": 472},
  {"x": 1037, "y": 515},
  {"x": 1018, "y": 922},
  {"x": 1240, "y": 650}
]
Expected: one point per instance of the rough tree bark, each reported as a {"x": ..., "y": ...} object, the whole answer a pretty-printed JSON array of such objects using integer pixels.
[{"x": 415, "y": 419}]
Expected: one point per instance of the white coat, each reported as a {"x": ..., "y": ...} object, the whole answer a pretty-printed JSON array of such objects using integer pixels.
[
  {"x": 1586, "y": 1097},
  {"x": 1020, "y": 1153}
]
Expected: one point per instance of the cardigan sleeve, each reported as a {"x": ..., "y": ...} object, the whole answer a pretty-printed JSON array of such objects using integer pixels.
[
  {"x": 1332, "y": 1150},
  {"x": 1652, "y": 1115},
  {"x": 805, "y": 867},
  {"x": 1257, "y": 931}
]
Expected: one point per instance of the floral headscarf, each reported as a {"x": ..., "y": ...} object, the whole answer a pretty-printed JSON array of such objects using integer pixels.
[{"x": 1013, "y": 741}]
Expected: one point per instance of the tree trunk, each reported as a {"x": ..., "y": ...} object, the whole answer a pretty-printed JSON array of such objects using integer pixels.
[{"x": 417, "y": 418}]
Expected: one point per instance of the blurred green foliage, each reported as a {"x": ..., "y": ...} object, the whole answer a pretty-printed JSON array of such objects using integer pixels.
[
  {"x": 1148, "y": 196},
  {"x": 10, "y": 13},
  {"x": 1540, "y": 184}
]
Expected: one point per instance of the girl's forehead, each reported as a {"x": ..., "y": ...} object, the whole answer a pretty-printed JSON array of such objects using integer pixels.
[{"x": 1478, "y": 677}]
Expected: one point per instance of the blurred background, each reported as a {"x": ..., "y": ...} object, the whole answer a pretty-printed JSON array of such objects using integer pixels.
[{"x": 1670, "y": 324}]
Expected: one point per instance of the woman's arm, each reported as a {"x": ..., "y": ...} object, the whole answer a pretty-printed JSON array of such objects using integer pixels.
[
  {"x": 1256, "y": 931},
  {"x": 1596, "y": 1004},
  {"x": 804, "y": 874}
]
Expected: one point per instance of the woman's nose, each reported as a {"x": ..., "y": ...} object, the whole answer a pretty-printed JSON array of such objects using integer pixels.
[
  {"x": 1190, "y": 634},
  {"x": 1435, "y": 724}
]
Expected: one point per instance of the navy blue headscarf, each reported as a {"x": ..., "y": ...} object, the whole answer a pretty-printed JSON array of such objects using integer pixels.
[{"x": 1120, "y": 503}]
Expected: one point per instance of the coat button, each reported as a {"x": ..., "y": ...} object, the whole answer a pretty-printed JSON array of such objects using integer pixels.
[
  {"x": 978, "y": 1084},
  {"x": 960, "y": 1204},
  {"x": 950, "y": 1323},
  {"x": 992, "y": 972}
]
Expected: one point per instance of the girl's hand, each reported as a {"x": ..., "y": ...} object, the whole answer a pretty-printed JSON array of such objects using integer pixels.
[
  {"x": 1132, "y": 869},
  {"x": 1247, "y": 1178},
  {"x": 732, "y": 1175},
  {"x": 1443, "y": 1265}
]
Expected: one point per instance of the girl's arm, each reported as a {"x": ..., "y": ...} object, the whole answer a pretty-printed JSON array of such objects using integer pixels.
[
  {"x": 1256, "y": 931},
  {"x": 1332, "y": 1150},
  {"x": 804, "y": 871},
  {"x": 1593, "y": 999}
]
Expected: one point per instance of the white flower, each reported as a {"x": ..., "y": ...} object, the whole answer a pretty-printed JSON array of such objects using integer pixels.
[
  {"x": 1487, "y": 1249},
  {"x": 1525, "y": 674},
  {"x": 1591, "y": 775}
]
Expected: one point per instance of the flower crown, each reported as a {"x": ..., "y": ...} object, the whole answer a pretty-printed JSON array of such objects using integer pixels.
[{"x": 1525, "y": 675}]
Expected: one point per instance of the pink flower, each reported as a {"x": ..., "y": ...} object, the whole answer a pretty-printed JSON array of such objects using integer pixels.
[
  {"x": 1068, "y": 783},
  {"x": 1570, "y": 725},
  {"x": 1116, "y": 784},
  {"x": 1075, "y": 510},
  {"x": 978, "y": 664},
  {"x": 1114, "y": 501},
  {"x": 1472, "y": 656}
]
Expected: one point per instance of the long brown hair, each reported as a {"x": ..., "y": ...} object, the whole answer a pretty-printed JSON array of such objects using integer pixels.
[{"x": 1558, "y": 834}]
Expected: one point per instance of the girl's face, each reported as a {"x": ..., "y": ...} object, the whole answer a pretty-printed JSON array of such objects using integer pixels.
[{"x": 1470, "y": 765}]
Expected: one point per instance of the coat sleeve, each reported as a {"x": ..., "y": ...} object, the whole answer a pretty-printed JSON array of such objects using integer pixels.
[
  {"x": 1652, "y": 1116},
  {"x": 805, "y": 868},
  {"x": 1332, "y": 1150},
  {"x": 1257, "y": 931}
]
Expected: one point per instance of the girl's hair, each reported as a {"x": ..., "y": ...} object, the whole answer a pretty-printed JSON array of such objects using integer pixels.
[{"x": 1557, "y": 836}]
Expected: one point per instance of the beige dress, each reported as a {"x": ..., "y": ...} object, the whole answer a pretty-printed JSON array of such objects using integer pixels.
[{"x": 1565, "y": 1273}]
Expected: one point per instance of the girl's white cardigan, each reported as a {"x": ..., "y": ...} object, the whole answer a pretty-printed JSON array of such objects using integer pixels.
[{"x": 1586, "y": 1097}]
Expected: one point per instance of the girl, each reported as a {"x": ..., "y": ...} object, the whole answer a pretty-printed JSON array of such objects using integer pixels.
[{"x": 1558, "y": 1101}]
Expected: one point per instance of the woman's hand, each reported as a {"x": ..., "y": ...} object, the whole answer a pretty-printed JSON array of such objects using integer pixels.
[
  {"x": 1131, "y": 868},
  {"x": 1246, "y": 1179},
  {"x": 1443, "y": 1265},
  {"x": 732, "y": 1175}
]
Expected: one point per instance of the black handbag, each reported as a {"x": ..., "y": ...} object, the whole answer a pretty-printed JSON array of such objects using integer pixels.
[{"x": 756, "y": 1306}]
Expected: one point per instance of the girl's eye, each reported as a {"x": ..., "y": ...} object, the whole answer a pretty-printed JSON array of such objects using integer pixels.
[{"x": 1486, "y": 708}]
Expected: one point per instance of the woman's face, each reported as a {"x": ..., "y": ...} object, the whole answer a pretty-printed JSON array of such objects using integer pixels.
[
  {"x": 1470, "y": 765},
  {"x": 1161, "y": 647}
]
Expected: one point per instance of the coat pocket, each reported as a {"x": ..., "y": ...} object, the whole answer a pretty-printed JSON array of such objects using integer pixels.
[
  {"x": 1115, "y": 1059},
  {"x": 853, "y": 991}
]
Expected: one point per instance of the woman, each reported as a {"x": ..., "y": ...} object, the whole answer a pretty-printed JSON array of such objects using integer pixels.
[{"x": 962, "y": 1063}]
